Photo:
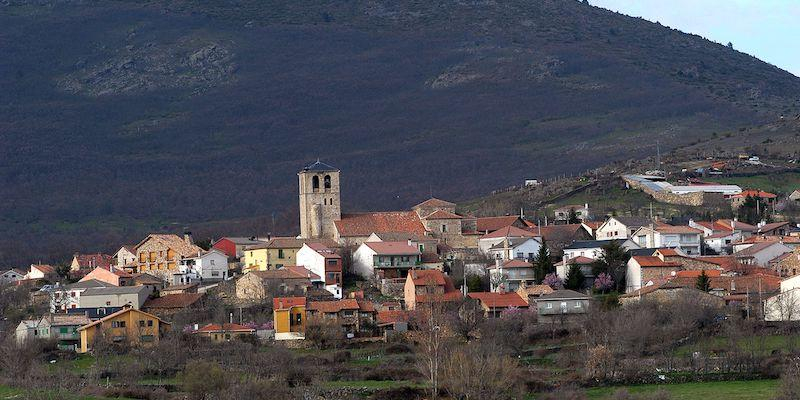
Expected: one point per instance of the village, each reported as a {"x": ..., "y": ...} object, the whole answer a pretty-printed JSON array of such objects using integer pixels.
[{"x": 430, "y": 274}]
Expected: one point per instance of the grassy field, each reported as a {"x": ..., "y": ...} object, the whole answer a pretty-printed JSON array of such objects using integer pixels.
[
  {"x": 377, "y": 385},
  {"x": 759, "y": 344},
  {"x": 736, "y": 390},
  {"x": 14, "y": 393},
  {"x": 779, "y": 183}
]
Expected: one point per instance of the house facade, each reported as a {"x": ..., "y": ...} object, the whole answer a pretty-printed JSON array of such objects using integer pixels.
[
  {"x": 224, "y": 332},
  {"x": 289, "y": 317},
  {"x": 325, "y": 263},
  {"x": 260, "y": 286},
  {"x": 510, "y": 275},
  {"x": 516, "y": 249},
  {"x": 355, "y": 317},
  {"x": 234, "y": 247},
  {"x": 125, "y": 257},
  {"x": 123, "y": 296},
  {"x": 386, "y": 260},
  {"x": 685, "y": 238},
  {"x": 621, "y": 228},
  {"x": 127, "y": 326},
  {"x": 160, "y": 254},
  {"x": 562, "y": 305},
  {"x": 425, "y": 286},
  {"x": 494, "y": 304},
  {"x": 110, "y": 275},
  {"x": 205, "y": 267}
]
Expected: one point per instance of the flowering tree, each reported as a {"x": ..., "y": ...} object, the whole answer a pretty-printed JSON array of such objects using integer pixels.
[
  {"x": 603, "y": 282},
  {"x": 553, "y": 281}
]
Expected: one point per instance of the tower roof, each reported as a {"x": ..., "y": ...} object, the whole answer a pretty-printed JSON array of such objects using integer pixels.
[{"x": 319, "y": 166}]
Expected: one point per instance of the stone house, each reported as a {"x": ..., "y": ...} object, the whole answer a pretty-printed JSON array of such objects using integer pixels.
[
  {"x": 562, "y": 305},
  {"x": 668, "y": 292},
  {"x": 425, "y": 286},
  {"x": 644, "y": 269},
  {"x": 160, "y": 254},
  {"x": 260, "y": 286},
  {"x": 125, "y": 258},
  {"x": 486, "y": 225},
  {"x": 356, "y": 317},
  {"x": 788, "y": 264},
  {"x": 83, "y": 263}
]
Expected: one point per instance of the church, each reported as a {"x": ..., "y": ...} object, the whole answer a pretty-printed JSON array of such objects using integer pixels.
[{"x": 321, "y": 216}]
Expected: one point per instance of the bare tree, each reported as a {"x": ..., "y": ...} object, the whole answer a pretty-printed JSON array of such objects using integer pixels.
[
  {"x": 475, "y": 372},
  {"x": 430, "y": 319}
]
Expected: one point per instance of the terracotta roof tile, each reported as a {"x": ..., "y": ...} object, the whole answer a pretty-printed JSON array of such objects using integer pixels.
[
  {"x": 425, "y": 277},
  {"x": 434, "y": 202},
  {"x": 174, "y": 242},
  {"x": 88, "y": 261},
  {"x": 392, "y": 248},
  {"x": 508, "y": 231},
  {"x": 441, "y": 214},
  {"x": 226, "y": 327},
  {"x": 282, "y": 303},
  {"x": 180, "y": 300},
  {"x": 491, "y": 224},
  {"x": 499, "y": 300},
  {"x": 654, "y": 262},
  {"x": 339, "y": 305},
  {"x": 367, "y": 223},
  {"x": 392, "y": 316}
]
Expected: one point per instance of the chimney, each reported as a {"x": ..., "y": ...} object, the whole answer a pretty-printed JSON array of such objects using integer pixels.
[
  {"x": 497, "y": 262},
  {"x": 269, "y": 236},
  {"x": 733, "y": 284},
  {"x": 187, "y": 237}
]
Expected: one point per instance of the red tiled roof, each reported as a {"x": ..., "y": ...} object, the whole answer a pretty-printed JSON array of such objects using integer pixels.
[
  {"x": 367, "y": 223},
  {"x": 593, "y": 224},
  {"x": 86, "y": 261},
  {"x": 491, "y": 224},
  {"x": 226, "y": 327},
  {"x": 441, "y": 214},
  {"x": 580, "y": 260},
  {"x": 668, "y": 252},
  {"x": 508, "y": 231},
  {"x": 181, "y": 300},
  {"x": 653, "y": 262},
  {"x": 772, "y": 226},
  {"x": 454, "y": 295},
  {"x": 770, "y": 238},
  {"x": 44, "y": 268},
  {"x": 425, "y": 277},
  {"x": 499, "y": 300},
  {"x": 696, "y": 273},
  {"x": 727, "y": 263},
  {"x": 392, "y": 316},
  {"x": 665, "y": 228},
  {"x": 339, "y": 305},
  {"x": 392, "y": 248},
  {"x": 736, "y": 225},
  {"x": 282, "y": 303},
  {"x": 755, "y": 193},
  {"x": 434, "y": 202},
  {"x": 514, "y": 264}
]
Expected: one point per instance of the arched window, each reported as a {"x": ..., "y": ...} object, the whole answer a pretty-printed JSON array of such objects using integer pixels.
[
  {"x": 315, "y": 182},
  {"x": 327, "y": 181}
]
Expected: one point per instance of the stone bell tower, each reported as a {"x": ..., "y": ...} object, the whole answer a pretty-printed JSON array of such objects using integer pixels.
[{"x": 319, "y": 201}]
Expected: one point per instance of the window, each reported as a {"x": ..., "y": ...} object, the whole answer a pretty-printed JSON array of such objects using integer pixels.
[
  {"x": 578, "y": 304},
  {"x": 149, "y": 322},
  {"x": 331, "y": 201},
  {"x": 549, "y": 305},
  {"x": 152, "y": 256},
  {"x": 444, "y": 228},
  {"x": 141, "y": 323},
  {"x": 214, "y": 273},
  {"x": 142, "y": 257},
  {"x": 280, "y": 254},
  {"x": 520, "y": 255},
  {"x": 421, "y": 248},
  {"x": 348, "y": 313},
  {"x": 315, "y": 182},
  {"x": 212, "y": 262},
  {"x": 108, "y": 303},
  {"x": 117, "y": 324},
  {"x": 327, "y": 181},
  {"x": 63, "y": 330}
]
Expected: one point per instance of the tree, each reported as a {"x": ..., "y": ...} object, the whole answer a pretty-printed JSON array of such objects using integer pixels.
[
  {"x": 613, "y": 262},
  {"x": 575, "y": 278},
  {"x": 474, "y": 372},
  {"x": 751, "y": 211},
  {"x": 202, "y": 378},
  {"x": 553, "y": 281},
  {"x": 703, "y": 283},
  {"x": 324, "y": 333},
  {"x": 429, "y": 319},
  {"x": 603, "y": 282},
  {"x": 543, "y": 264},
  {"x": 572, "y": 217}
]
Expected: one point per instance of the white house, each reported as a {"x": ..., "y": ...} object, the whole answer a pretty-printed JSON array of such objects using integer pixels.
[
  {"x": 386, "y": 260},
  {"x": 721, "y": 242},
  {"x": 126, "y": 255},
  {"x": 620, "y": 227},
  {"x": 63, "y": 298},
  {"x": 784, "y": 306},
  {"x": 644, "y": 269},
  {"x": 486, "y": 242},
  {"x": 592, "y": 248},
  {"x": 41, "y": 271},
  {"x": 207, "y": 266},
  {"x": 685, "y": 238},
  {"x": 761, "y": 253},
  {"x": 517, "y": 248},
  {"x": 324, "y": 262},
  {"x": 510, "y": 275},
  {"x": 11, "y": 276},
  {"x": 26, "y": 330}
]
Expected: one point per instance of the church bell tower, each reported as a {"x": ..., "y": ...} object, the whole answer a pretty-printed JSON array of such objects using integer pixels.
[{"x": 319, "y": 201}]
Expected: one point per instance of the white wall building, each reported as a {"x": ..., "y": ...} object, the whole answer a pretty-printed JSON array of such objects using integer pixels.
[
  {"x": 323, "y": 261},
  {"x": 208, "y": 266},
  {"x": 620, "y": 227},
  {"x": 685, "y": 238}
]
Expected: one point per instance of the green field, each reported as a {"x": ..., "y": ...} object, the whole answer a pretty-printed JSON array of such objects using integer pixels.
[
  {"x": 778, "y": 183},
  {"x": 377, "y": 385},
  {"x": 736, "y": 390},
  {"x": 758, "y": 344}
]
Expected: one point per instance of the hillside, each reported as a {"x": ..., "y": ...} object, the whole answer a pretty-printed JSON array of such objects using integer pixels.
[{"x": 121, "y": 117}]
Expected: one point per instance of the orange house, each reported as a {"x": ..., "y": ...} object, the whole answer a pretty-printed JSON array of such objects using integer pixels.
[
  {"x": 289, "y": 314},
  {"x": 127, "y": 326}
]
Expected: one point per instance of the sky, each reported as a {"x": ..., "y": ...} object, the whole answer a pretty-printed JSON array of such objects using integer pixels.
[{"x": 767, "y": 29}]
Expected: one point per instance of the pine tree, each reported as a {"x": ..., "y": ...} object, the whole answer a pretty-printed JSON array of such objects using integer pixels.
[
  {"x": 614, "y": 262},
  {"x": 572, "y": 218},
  {"x": 575, "y": 278},
  {"x": 543, "y": 265},
  {"x": 703, "y": 283}
]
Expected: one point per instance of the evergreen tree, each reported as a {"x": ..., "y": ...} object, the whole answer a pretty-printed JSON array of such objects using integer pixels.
[
  {"x": 614, "y": 263},
  {"x": 572, "y": 218},
  {"x": 703, "y": 283},
  {"x": 751, "y": 211},
  {"x": 543, "y": 264},
  {"x": 575, "y": 278}
]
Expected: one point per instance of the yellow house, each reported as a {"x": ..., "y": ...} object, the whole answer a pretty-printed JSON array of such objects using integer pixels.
[
  {"x": 128, "y": 326},
  {"x": 289, "y": 314},
  {"x": 275, "y": 253}
]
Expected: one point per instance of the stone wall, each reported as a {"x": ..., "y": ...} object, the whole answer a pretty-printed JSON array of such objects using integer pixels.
[{"x": 394, "y": 288}]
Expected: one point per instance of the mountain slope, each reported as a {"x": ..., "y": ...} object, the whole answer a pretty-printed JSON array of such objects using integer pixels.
[{"x": 120, "y": 117}]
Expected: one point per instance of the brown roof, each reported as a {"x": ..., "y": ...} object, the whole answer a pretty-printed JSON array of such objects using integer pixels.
[
  {"x": 755, "y": 248},
  {"x": 226, "y": 327},
  {"x": 774, "y": 225},
  {"x": 665, "y": 228},
  {"x": 44, "y": 268},
  {"x": 289, "y": 243},
  {"x": 556, "y": 233},
  {"x": 425, "y": 277},
  {"x": 652, "y": 261},
  {"x": 434, "y": 202},
  {"x": 86, "y": 261},
  {"x": 770, "y": 238},
  {"x": 508, "y": 231},
  {"x": 727, "y": 263},
  {"x": 514, "y": 264},
  {"x": 120, "y": 312},
  {"x": 367, "y": 223},
  {"x": 491, "y": 224},
  {"x": 392, "y": 316},
  {"x": 181, "y": 300},
  {"x": 737, "y": 225},
  {"x": 392, "y": 248},
  {"x": 323, "y": 250},
  {"x": 441, "y": 214},
  {"x": 339, "y": 305},
  {"x": 174, "y": 242},
  {"x": 580, "y": 260},
  {"x": 144, "y": 278},
  {"x": 499, "y": 300},
  {"x": 535, "y": 290},
  {"x": 283, "y": 303},
  {"x": 62, "y": 319}
]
